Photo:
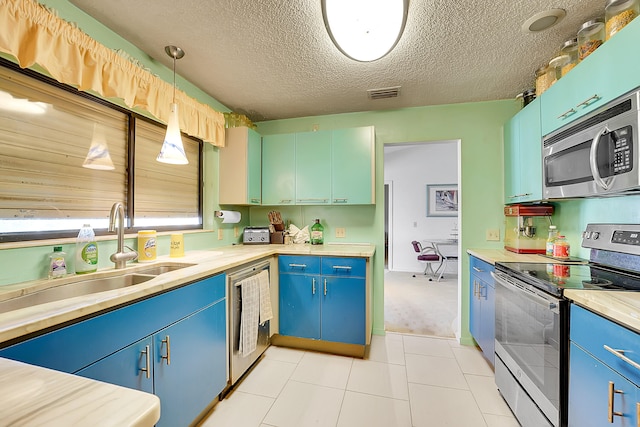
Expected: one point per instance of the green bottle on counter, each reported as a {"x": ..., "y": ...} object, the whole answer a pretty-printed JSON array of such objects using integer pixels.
[{"x": 317, "y": 233}]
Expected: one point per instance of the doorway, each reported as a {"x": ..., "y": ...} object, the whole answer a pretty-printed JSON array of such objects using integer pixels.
[{"x": 413, "y": 303}]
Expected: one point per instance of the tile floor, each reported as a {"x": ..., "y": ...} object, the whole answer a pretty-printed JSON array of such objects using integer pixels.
[{"x": 408, "y": 380}]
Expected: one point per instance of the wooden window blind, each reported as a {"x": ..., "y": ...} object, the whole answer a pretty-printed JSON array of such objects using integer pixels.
[
  {"x": 45, "y": 135},
  {"x": 165, "y": 194}
]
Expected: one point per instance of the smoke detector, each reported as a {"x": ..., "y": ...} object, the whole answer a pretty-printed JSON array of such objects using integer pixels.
[{"x": 387, "y": 92}]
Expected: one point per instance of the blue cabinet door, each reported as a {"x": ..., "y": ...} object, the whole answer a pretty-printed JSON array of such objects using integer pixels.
[
  {"x": 512, "y": 160},
  {"x": 343, "y": 310},
  {"x": 353, "y": 166},
  {"x": 300, "y": 305},
  {"x": 488, "y": 298},
  {"x": 313, "y": 171},
  {"x": 190, "y": 365},
  {"x": 279, "y": 169},
  {"x": 530, "y": 153},
  {"x": 589, "y": 394},
  {"x": 130, "y": 367}
]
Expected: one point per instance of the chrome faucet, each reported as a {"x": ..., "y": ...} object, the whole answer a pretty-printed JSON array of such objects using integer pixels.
[{"x": 121, "y": 257}]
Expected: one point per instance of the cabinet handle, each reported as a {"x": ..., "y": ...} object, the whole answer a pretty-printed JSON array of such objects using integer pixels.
[
  {"x": 340, "y": 200},
  {"x": 255, "y": 200},
  {"x": 168, "y": 356},
  {"x": 342, "y": 267},
  {"x": 477, "y": 269},
  {"x": 285, "y": 201},
  {"x": 611, "y": 412},
  {"x": 515, "y": 196},
  {"x": 566, "y": 113},
  {"x": 638, "y": 413},
  {"x": 313, "y": 286},
  {"x": 475, "y": 288},
  {"x": 314, "y": 200},
  {"x": 587, "y": 101},
  {"x": 620, "y": 354},
  {"x": 146, "y": 369},
  {"x": 325, "y": 287},
  {"x": 297, "y": 265}
]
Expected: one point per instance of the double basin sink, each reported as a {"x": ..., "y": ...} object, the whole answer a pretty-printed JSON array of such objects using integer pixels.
[{"x": 75, "y": 286}]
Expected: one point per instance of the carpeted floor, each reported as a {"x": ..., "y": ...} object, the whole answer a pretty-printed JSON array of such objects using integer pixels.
[{"x": 417, "y": 306}]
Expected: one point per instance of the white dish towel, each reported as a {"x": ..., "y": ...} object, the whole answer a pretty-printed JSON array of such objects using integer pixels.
[{"x": 256, "y": 308}]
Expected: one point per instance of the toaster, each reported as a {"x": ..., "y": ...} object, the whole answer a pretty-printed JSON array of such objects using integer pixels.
[{"x": 255, "y": 236}]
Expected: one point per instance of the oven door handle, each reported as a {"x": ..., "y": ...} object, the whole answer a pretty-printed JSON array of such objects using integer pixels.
[
  {"x": 605, "y": 184},
  {"x": 550, "y": 304}
]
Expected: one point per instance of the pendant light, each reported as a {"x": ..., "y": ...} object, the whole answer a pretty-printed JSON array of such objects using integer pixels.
[
  {"x": 98, "y": 157},
  {"x": 172, "y": 149},
  {"x": 365, "y": 30}
]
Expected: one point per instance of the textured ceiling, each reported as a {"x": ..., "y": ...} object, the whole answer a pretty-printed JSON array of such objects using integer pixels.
[{"x": 273, "y": 59}]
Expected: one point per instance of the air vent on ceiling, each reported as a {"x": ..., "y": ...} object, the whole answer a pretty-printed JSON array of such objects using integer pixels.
[{"x": 387, "y": 92}]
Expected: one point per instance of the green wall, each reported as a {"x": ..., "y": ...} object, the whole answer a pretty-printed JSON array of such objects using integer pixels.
[{"x": 477, "y": 125}]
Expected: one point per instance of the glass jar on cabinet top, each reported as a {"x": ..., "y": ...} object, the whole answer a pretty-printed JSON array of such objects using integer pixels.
[
  {"x": 590, "y": 37},
  {"x": 545, "y": 77},
  {"x": 619, "y": 13},
  {"x": 557, "y": 64},
  {"x": 570, "y": 49}
]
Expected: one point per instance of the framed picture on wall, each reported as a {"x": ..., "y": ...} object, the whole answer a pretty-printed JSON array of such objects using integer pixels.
[{"x": 442, "y": 200}]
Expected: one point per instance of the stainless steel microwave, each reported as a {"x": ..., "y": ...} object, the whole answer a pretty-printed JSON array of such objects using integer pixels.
[{"x": 596, "y": 155}]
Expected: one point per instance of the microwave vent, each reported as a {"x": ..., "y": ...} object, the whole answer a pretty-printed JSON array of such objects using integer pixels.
[{"x": 387, "y": 92}]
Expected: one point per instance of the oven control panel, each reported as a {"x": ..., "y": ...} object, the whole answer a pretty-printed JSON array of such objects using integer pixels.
[{"x": 613, "y": 237}]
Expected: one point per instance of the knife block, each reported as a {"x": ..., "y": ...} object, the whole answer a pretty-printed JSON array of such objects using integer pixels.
[{"x": 276, "y": 237}]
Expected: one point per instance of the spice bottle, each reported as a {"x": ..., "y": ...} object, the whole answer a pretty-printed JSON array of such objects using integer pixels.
[
  {"x": 618, "y": 13},
  {"x": 57, "y": 263},
  {"x": 317, "y": 233},
  {"x": 590, "y": 37},
  {"x": 553, "y": 234},
  {"x": 561, "y": 248}
]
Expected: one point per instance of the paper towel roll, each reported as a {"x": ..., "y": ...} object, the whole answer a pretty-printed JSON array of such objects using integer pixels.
[{"x": 231, "y": 217}]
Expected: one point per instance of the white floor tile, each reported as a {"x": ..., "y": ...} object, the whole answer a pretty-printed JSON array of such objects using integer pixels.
[
  {"x": 267, "y": 378},
  {"x": 436, "y": 371},
  {"x": 364, "y": 410},
  {"x": 323, "y": 369},
  {"x": 471, "y": 361},
  {"x": 284, "y": 354},
  {"x": 439, "y": 406},
  {"x": 388, "y": 348},
  {"x": 500, "y": 421},
  {"x": 487, "y": 396},
  {"x": 303, "y": 404},
  {"x": 233, "y": 411},
  {"x": 427, "y": 346},
  {"x": 380, "y": 379}
]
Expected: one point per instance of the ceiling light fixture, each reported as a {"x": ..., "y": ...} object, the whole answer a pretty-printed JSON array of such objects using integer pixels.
[
  {"x": 543, "y": 20},
  {"x": 172, "y": 149},
  {"x": 365, "y": 30}
]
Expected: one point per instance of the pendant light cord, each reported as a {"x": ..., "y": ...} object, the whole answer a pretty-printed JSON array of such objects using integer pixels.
[{"x": 174, "y": 79}]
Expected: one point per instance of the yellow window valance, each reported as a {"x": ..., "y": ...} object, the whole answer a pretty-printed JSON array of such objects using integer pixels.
[{"x": 35, "y": 35}]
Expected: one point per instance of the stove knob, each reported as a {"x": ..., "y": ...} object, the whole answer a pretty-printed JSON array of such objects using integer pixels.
[
  {"x": 586, "y": 234},
  {"x": 595, "y": 235}
]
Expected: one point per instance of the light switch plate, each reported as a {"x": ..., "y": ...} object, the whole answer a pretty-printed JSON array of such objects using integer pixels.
[
  {"x": 220, "y": 234},
  {"x": 341, "y": 232},
  {"x": 236, "y": 231},
  {"x": 493, "y": 234}
]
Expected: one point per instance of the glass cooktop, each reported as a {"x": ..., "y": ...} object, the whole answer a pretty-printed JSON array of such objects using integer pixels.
[{"x": 554, "y": 278}]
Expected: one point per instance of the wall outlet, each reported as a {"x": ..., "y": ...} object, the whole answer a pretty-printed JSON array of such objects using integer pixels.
[
  {"x": 220, "y": 234},
  {"x": 493, "y": 234},
  {"x": 236, "y": 231},
  {"x": 315, "y": 127},
  {"x": 341, "y": 232}
]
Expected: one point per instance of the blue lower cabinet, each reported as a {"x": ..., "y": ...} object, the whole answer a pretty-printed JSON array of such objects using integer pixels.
[
  {"x": 300, "y": 305},
  {"x": 343, "y": 310},
  {"x": 183, "y": 361},
  {"x": 330, "y": 306}
]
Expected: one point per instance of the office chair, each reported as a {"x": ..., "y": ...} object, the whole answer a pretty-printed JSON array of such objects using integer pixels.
[{"x": 428, "y": 256}]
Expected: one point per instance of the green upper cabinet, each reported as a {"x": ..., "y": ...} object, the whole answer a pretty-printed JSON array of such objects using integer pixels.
[
  {"x": 313, "y": 168},
  {"x": 607, "y": 73},
  {"x": 279, "y": 169},
  {"x": 317, "y": 168},
  {"x": 241, "y": 167},
  {"x": 523, "y": 156},
  {"x": 352, "y": 166}
]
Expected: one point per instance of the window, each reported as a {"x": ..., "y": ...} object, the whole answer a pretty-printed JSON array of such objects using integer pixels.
[{"x": 49, "y": 184}]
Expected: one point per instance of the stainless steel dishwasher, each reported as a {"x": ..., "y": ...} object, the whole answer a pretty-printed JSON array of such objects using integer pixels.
[{"x": 238, "y": 364}]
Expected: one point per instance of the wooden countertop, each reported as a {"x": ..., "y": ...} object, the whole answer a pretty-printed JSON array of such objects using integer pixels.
[
  {"x": 39, "y": 396},
  {"x": 34, "y": 396}
]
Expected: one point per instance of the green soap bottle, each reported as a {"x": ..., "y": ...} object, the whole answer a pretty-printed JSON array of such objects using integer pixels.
[{"x": 317, "y": 233}]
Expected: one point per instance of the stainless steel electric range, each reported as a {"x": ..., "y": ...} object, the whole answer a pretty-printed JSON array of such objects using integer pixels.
[{"x": 532, "y": 319}]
